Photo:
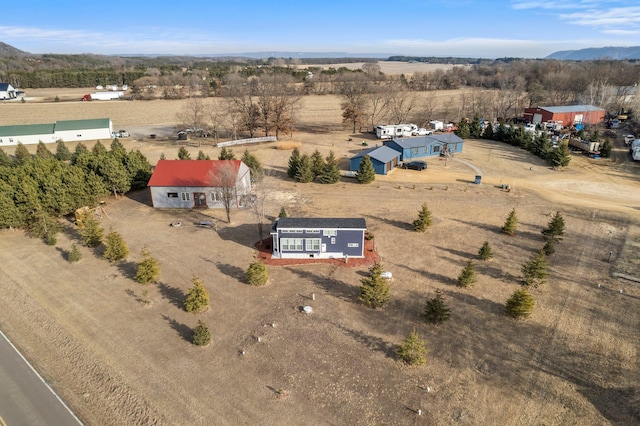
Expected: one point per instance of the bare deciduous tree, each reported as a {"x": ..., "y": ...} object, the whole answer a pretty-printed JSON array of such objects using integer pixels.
[{"x": 224, "y": 179}]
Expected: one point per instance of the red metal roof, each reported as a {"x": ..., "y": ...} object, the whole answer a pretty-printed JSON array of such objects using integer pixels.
[{"x": 189, "y": 172}]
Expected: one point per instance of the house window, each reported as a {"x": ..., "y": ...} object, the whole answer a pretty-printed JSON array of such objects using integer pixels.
[
  {"x": 291, "y": 244},
  {"x": 436, "y": 148},
  {"x": 312, "y": 231},
  {"x": 291, "y": 231},
  {"x": 172, "y": 194},
  {"x": 215, "y": 196},
  {"x": 330, "y": 232},
  {"x": 185, "y": 196},
  {"x": 333, "y": 240},
  {"x": 414, "y": 151},
  {"x": 353, "y": 245},
  {"x": 312, "y": 244}
]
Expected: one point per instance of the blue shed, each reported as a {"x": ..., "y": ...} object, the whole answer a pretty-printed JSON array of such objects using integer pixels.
[
  {"x": 324, "y": 238},
  {"x": 383, "y": 159},
  {"x": 426, "y": 146}
]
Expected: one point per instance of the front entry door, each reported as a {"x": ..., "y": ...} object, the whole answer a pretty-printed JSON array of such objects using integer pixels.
[{"x": 200, "y": 199}]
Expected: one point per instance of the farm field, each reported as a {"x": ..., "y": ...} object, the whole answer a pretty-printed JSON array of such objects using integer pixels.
[{"x": 117, "y": 360}]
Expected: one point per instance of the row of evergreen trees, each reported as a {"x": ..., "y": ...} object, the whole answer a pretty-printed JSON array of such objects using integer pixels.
[
  {"x": 36, "y": 189},
  {"x": 306, "y": 168}
]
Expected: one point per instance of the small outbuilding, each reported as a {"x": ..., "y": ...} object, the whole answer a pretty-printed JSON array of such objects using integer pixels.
[
  {"x": 567, "y": 115},
  {"x": 324, "y": 238},
  {"x": 426, "y": 146},
  {"x": 187, "y": 184},
  {"x": 383, "y": 158},
  {"x": 7, "y": 91}
]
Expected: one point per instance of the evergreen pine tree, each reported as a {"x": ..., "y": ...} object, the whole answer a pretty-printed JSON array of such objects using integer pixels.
[
  {"x": 485, "y": 252},
  {"x": 197, "y": 299},
  {"x": 294, "y": 161},
  {"x": 201, "y": 335},
  {"x": 257, "y": 274},
  {"x": 561, "y": 155},
  {"x": 605, "y": 149},
  {"x": 62, "y": 152},
  {"x": 183, "y": 154},
  {"x": 366, "y": 172},
  {"x": 116, "y": 248},
  {"x": 99, "y": 148},
  {"x": 42, "y": 151},
  {"x": 91, "y": 232},
  {"x": 535, "y": 269},
  {"x": 375, "y": 291},
  {"x": 74, "y": 254},
  {"x": 463, "y": 129},
  {"x": 255, "y": 167},
  {"x": 202, "y": 156},
  {"x": 435, "y": 310},
  {"x": 79, "y": 150},
  {"x": 21, "y": 153},
  {"x": 148, "y": 269},
  {"x": 413, "y": 350},
  {"x": 424, "y": 219},
  {"x": 331, "y": 170},
  {"x": 511, "y": 224},
  {"x": 317, "y": 163},
  {"x": 226, "y": 154},
  {"x": 283, "y": 212},
  {"x": 488, "y": 132},
  {"x": 117, "y": 150},
  {"x": 468, "y": 276},
  {"x": 520, "y": 305},
  {"x": 555, "y": 228},
  {"x": 549, "y": 246},
  {"x": 474, "y": 128},
  {"x": 304, "y": 174},
  {"x": 5, "y": 160}
]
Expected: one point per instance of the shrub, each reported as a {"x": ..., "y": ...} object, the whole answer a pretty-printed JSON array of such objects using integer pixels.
[
  {"x": 201, "y": 335},
  {"x": 375, "y": 291},
  {"x": 74, "y": 254},
  {"x": 148, "y": 268},
  {"x": 116, "y": 248},
  {"x": 435, "y": 310},
  {"x": 413, "y": 350},
  {"x": 197, "y": 299},
  {"x": 520, "y": 305},
  {"x": 257, "y": 274}
]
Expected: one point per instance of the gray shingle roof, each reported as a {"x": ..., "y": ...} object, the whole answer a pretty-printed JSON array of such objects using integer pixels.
[
  {"x": 427, "y": 140},
  {"x": 571, "y": 108},
  {"x": 320, "y": 223}
]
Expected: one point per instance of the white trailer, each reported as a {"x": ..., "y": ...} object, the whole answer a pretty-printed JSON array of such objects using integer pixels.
[
  {"x": 106, "y": 96},
  {"x": 396, "y": 131},
  {"x": 436, "y": 125},
  {"x": 635, "y": 150}
]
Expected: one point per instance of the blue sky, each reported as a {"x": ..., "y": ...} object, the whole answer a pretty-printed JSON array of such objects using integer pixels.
[{"x": 490, "y": 29}]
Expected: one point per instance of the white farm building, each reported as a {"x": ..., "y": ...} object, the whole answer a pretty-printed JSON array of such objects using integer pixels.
[{"x": 67, "y": 130}]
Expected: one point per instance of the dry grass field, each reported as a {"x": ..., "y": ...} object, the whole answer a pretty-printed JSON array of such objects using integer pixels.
[{"x": 117, "y": 360}]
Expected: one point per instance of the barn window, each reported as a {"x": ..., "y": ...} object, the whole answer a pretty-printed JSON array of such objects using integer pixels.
[
  {"x": 185, "y": 196},
  {"x": 172, "y": 194}
]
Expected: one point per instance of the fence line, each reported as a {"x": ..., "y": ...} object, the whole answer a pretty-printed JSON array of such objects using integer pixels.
[{"x": 248, "y": 141}]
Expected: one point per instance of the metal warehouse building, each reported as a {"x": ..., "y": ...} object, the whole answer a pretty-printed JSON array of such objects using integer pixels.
[
  {"x": 567, "y": 115},
  {"x": 67, "y": 130}
]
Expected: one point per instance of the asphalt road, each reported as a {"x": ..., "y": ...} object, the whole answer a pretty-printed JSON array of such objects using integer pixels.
[{"x": 25, "y": 398}]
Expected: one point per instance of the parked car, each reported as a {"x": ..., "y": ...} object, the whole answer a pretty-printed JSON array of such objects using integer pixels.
[
  {"x": 628, "y": 139},
  {"x": 415, "y": 165}
]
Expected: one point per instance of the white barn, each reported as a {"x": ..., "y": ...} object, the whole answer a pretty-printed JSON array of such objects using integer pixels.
[
  {"x": 187, "y": 184},
  {"x": 68, "y": 131}
]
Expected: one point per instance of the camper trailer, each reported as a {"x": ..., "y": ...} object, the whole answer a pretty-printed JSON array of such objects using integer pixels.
[{"x": 396, "y": 131}]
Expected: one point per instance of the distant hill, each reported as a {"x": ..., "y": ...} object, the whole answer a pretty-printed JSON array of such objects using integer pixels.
[
  {"x": 594, "y": 53},
  {"x": 7, "y": 50}
]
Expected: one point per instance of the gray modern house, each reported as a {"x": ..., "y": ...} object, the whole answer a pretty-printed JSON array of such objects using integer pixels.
[{"x": 324, "y": 238}]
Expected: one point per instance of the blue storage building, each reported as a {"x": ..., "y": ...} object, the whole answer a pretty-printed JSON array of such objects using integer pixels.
[
  {"x": 324, "y": 238},
  {"x": 383, "y": 159}
]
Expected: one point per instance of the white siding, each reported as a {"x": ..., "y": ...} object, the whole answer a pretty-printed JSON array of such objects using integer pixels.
[
  {"x": 27, "y": 139},
  {"x": 84, "y": 134}
]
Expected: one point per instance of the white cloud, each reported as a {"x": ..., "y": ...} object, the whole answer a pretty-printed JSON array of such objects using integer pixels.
[{"x": 605, "y": 18}]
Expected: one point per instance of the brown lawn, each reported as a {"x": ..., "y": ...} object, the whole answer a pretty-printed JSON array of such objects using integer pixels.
[{"x": 117, "y": 360}]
